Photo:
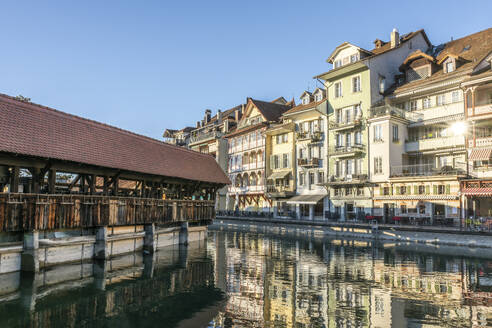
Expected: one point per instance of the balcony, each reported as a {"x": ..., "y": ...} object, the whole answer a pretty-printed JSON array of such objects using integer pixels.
[
  {"x": 394, "y": 111},
  {"x": 280, "y": 191},
  {"x": 202, "y": 136},
  {"x": 480, "y": 142},
  {"x": 314, "y": 136},
  {"x": 480, "y": 110},
  {"x": 419, "y": 170},
  {"x": 308, "y": 162},
  {"x": 434, "y": 143},
  {"x": 246, "y": 189},
  {"x": 345, "y": 124},
  {"x": 348, "y": 179},
  {"x": 346, "y": 151}
]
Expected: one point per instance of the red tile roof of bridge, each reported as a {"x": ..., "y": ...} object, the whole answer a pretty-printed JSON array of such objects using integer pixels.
[{"x": 35, "y": 130}]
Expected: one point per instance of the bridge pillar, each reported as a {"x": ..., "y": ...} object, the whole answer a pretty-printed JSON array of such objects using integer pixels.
[
  {"x": 149, "y": 239},
  {"x": 183, "y": 234},
  {"x": 101, "y": 251},
  {"x": 30, "y": 252}
]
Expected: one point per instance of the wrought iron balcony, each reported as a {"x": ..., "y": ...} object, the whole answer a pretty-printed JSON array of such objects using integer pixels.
[
  {"x": 417, "y": 170},
  {"x": 340, "y": 124},
  {"x": 308, "y": 162},
  {"x": 394, "y": 111},
  {"x": 204, "y": 136},
  {"x": 347, "y": 179},
  {"x": 314, "y": 136},
  {"x": 280, "y": 190},
  {"x": 349, "y": 150}
]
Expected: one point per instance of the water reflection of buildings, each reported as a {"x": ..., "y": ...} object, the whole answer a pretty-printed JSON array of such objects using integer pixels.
[
  {"x": 282, "y": 283},
  {"x": 126, "y": 291}
]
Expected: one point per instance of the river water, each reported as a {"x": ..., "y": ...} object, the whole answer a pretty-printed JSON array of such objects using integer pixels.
[{"x": 240, "y": 278}]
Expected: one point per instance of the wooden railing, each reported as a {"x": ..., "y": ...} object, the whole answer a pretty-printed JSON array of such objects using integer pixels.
[{"x": 26, "y": 212}]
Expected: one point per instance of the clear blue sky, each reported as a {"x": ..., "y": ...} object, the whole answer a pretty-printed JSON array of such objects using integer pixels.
[{"x": 150, "y": 65}]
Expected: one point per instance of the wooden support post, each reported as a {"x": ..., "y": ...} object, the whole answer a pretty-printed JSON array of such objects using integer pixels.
[
  {"x": 116, "y": 185},
  {"x": 105, "y": 185},
  {"x": 92, "y": 184},
  {"x": 14, "y": 179},
  {"x": 51, "y": 181},
  {"x": 35, "y": 177}
]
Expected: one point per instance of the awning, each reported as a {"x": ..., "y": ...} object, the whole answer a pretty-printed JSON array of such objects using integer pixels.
[
  {"x": 481, "y": 154},
  {"x": 480, "y": 192},
  {"x": 278, "y": 175},
  {"x": 306, "y": 199}
]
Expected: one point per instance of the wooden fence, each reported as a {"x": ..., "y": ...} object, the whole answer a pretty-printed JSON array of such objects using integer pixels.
[{"x": 27, "y": 212}]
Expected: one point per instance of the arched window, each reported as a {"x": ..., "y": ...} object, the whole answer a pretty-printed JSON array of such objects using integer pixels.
[
  {"x": 245, "y": 180},
  {"x": 245, "y": 158},
  {"x": 238, "y": 181},
  {"x": 252, "y": 157},
  {"x": 252, "y": 179},
  {"x": 260, "y": 178}
]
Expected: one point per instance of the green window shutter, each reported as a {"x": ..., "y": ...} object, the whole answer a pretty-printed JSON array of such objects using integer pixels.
[
  {"x": 434, "y": 189},
  {"x": 427, "y": 190},
  {"x": 391, "y": 190},
  {"x": 415, "y": 190},
  {"x": 397, "y": 190},
  {"x": 448, "y": 189},
  {"x": 380, "y": 191}
]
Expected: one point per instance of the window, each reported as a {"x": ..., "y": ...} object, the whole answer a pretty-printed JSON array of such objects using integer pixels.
[
  {"x": 386, "y": 191},
  {"x": 311, "y": 178},
  {"x": 282, "y": 138},
  {"x": 440, "y": 100},
  {"x": 354, "y": 58},
  {"x": 274, "y": 164},
  {"x": 358, "y": 138},
  {"x": 348, "y": 191},
  {"x": 378, "y": 165},
  {"x": 338, "y": 63},
  {"x": 301, "y": 179},
  {"x": 318, "y": 97},
  {"x": 339, "y": 140},
  {"x": 321, "y": 177},
  {"x": 301, "y": 153},
  {"x": 378, "y": 133},
  {"x": 421, "y": 190},
  {"x": 360, "y": 191},
  {"x": 396, "y": 138},
  {"x": 357, "y": 111},
  {"x": 422, "y": 209},
  {"x": 382, "y": 84},
  {"x": 455, "y": 96},
  {"x": 441, "y": 190},
  {"x": 413, "y": 105},
  {"x": 348, "y": 140},
  {"x": 403, "y": 190},
  {"x": 356, "y": 84},
  {"x": 338, "y": 89},
  {"x": 285, "y": 160},
  {"x": 336, "y": 191},
  {"x": 339, "y": 115},
  {"x": 449, "y": 67},
  {"x": 350, "y": 166},
  {"x": 403, "y": 209},
  {"x": 426, "y": 103},
  {"x": 305, "y": 100}
]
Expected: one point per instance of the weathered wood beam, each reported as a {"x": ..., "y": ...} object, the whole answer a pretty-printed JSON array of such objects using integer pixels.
[
  {"x": 74, "y": 182},
  {"x": 51, "y": 181},
  {"x": 14, "y": 179}
]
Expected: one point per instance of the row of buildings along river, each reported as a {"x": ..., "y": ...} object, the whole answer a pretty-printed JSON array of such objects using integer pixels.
[{"x": 403, "y": 130}]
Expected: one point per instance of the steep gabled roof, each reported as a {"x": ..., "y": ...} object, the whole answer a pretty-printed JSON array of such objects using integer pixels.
[
  {"x": 33, "y": 130},
  {"x": 270, "y": 111}
]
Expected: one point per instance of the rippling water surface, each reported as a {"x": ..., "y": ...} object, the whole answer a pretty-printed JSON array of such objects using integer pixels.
[{"x": 247, "y": 279}]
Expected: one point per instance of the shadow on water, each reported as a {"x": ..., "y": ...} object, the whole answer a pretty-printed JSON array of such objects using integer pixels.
[{"x": 173, "y": 285}]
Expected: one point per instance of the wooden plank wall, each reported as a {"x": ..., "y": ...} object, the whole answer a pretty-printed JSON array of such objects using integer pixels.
[{"x": 27, "y": 212}]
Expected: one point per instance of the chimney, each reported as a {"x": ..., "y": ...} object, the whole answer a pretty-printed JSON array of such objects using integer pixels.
[
  {"x": 378, "y": 43},
  {"x": 197, "y": 124},
  {"x": 226, "y": 125},
  {"x": 219, "y": 115},
  {"x": 395, "y": 38},
  {"x": 208, "y": 115},
  {"x": 237, "y": 115}
]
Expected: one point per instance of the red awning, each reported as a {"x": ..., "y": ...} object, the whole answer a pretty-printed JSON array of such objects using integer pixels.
[
  {"x": 481, "y": 154},
  {"x": 484, "y": 192}
]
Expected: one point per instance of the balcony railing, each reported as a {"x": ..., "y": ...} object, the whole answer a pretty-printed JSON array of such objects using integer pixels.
[
  {"x": 480, "y": 110},
  {"x": 345, "y": 123},
  {"x": 314, "y": 136},
  {"x": 204, "y": 136},
  {"x": 434, "y": 143},
  {"x": 391, "y": 110},
  {"x": 346, "y": 150},
  {"x": 349, "y": 178},
  {"x": 426, "y": 170},
  {"x": 279, "y": 189},
  {"x": 481, "y": 142},
  {"x": 308, "y": 162}
]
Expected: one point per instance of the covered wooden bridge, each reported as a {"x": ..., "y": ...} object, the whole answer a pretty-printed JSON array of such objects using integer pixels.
[{"x": 62, "y": 171}]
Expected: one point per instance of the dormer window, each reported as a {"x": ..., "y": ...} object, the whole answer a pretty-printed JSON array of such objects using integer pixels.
[
  {"x": 354, "y": 58},
  {"x": 450, "y": 66},
  {"x": 317, "y": 97},
  {"x": 305, "y": 100},
  {"x": 338, "y": 63}
]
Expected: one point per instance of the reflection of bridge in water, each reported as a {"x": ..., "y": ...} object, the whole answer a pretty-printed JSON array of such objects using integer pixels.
[{"x": 125, "y": 291}]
